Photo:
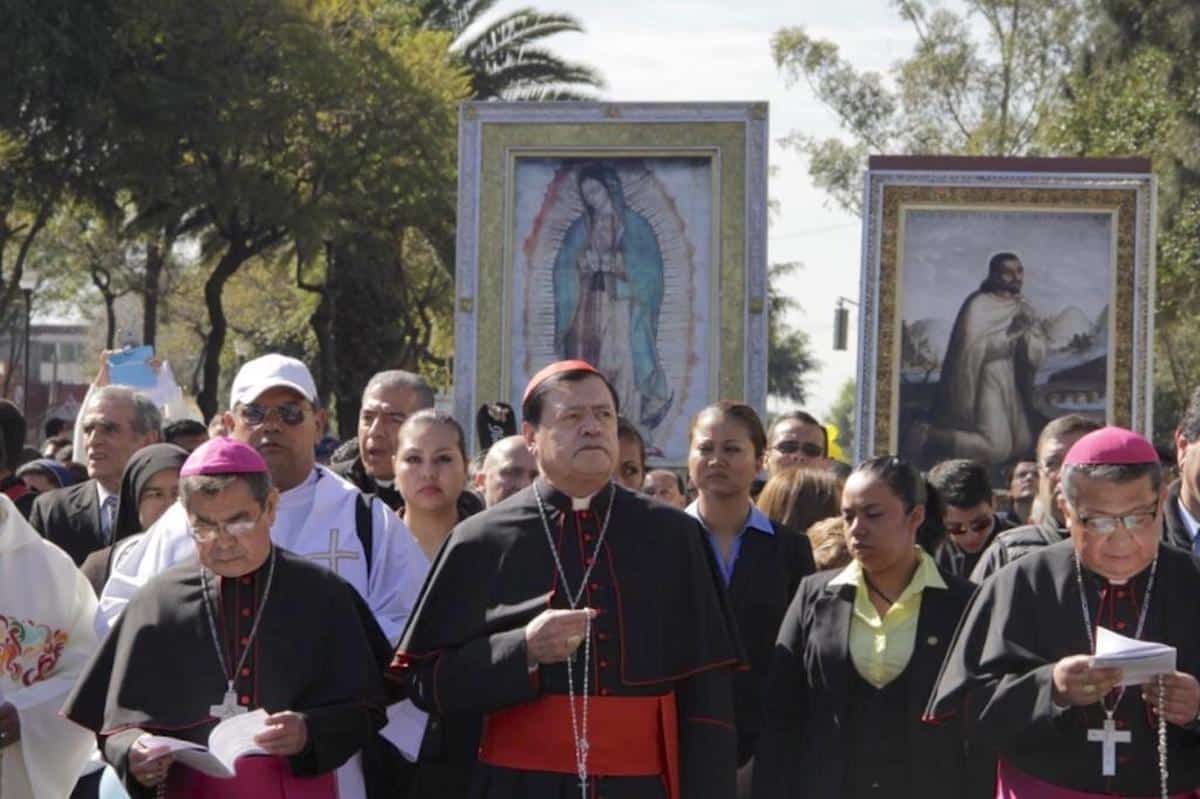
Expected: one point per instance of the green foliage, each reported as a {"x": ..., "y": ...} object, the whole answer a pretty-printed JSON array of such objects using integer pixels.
[
  {"x": 1135, "y": 91},
  {"x": 978, "y": 82},
  {"x": 841, "y": 413},
  {"x": 506, "y": 59},
  {"x": 790, "y": 358}
]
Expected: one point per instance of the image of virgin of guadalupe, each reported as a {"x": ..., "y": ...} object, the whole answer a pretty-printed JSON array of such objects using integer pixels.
[{"x": 608, "y": 293}]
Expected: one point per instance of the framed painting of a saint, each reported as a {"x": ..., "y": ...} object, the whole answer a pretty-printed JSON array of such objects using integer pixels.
[
  {"x": 998, "y": 294},
  {"x": 631, "y": 236}
]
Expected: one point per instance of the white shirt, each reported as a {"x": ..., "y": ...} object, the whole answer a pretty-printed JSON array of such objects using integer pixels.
[{"x": 1193, "y": 526}]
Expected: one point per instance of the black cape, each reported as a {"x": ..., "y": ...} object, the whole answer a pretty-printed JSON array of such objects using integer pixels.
[
  {"x": 157, "y": 670},
  {"x": 1027, "y": 617},
  {"x": 663, "y": 625}
]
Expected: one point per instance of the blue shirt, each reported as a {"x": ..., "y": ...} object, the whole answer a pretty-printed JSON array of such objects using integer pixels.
[{"x": 755, "y": 520}]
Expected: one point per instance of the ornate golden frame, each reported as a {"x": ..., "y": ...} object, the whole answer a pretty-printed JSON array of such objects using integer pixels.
[{"x": 890, "y": 194}]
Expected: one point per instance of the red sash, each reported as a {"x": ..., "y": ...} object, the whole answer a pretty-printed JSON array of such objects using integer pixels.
[
  {"x": 1014, "y": 784},
  {"x": 628, "y": 736},
  {"x": 257, "y": 778}
]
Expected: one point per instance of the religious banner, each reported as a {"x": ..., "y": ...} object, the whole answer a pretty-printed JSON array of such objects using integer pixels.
[
  {"x": 998, "y": 294},
  {"x": 632, "y": 236}
]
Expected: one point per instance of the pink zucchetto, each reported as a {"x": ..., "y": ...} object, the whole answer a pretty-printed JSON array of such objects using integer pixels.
[
  {"x": 223, "y": 455},
  {"x": 1111, "y": 446}
]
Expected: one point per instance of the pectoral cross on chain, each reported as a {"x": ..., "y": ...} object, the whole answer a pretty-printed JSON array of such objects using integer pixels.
[
  {"x": 334, "y": 555},
  {"x": 228, "y": 708},
  {"x": 1108, "y": 738}
]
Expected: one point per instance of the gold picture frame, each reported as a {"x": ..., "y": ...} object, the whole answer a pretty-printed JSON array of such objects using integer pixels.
[
  {"x": 703, "y": 175},
  {"x": 900, "y": 409}
]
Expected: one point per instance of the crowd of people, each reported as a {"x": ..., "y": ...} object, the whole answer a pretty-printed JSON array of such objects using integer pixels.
[{"x": 554, "y": 619}]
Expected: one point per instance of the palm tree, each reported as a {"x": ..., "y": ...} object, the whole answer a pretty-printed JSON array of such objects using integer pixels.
[{"x": 504, "y": 59}]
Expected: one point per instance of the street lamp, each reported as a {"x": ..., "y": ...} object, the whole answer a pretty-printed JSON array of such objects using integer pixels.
[
  {"x": 27, "y": 283},
  {"x": 841, "y": 323}
]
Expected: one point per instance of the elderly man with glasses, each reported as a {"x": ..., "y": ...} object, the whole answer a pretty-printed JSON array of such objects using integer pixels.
[
  {"x": 250, "y": 628},
  {"x": 274, "y": 408},
  {"x": 1021, "y": 671}
]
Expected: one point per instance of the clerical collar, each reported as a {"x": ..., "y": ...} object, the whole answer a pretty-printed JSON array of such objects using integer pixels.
[
  {"x": 383, "y": 483},
  {"x": 564, "y": 501},
  {"x": 1100, "y": 582}
]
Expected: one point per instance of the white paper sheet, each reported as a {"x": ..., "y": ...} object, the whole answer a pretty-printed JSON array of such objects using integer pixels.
[
  {"x": 231, "y": 739},
  {"x": 1139, "y": 661}
]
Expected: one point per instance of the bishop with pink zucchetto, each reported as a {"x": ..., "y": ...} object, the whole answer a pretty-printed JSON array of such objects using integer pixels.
[
  {"x": 1021, "y": 667},
  {"x": 248, "y": 628}
]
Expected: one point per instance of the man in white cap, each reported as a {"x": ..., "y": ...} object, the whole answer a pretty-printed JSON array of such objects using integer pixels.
[{"x": 273, "y": 407}]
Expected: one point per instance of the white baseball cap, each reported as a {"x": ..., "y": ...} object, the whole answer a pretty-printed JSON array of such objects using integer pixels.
[{"x": 271, "y": 371}]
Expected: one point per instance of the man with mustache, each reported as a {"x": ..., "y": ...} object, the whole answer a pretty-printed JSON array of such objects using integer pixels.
[{"x": 557, "y": 604}]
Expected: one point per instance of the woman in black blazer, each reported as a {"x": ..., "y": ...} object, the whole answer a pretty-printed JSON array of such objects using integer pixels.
[
  {"x": 856, "y": 659},
  {"x": 762, "y": 562}
]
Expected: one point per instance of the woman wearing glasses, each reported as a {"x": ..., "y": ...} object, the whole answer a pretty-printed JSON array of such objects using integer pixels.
[
  {"x": 796, "y": 439},
  {"x": 761, "y": 561},
  {"x": 858, "y": 652}
]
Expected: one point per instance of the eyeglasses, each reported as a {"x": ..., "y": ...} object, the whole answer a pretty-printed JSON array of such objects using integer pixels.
[
  {"x": 1107, "y": 525},
  {"x": 204, "y": 533},
  {"x": 792, "y": 447},
  {"x": 289, "y": 413},
  {"x": 981, "y": 525}
]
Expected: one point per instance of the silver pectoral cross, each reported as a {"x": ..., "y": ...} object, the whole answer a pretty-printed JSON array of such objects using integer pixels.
[
  {"x": 1108, "y": 738},
  {"x": 229, "y": 706}
]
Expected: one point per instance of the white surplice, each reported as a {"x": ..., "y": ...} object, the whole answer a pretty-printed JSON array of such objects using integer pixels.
[{"x": 47, "y": 616}]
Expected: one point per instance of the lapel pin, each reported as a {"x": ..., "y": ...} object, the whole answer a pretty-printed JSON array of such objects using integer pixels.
[{"x": 932, "y": 640}]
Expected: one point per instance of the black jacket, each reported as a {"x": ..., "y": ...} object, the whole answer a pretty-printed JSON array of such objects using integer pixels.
[
  {"x": 70, "y": 518},
  {"x": 766, "y": 575},
  {"x": 803, "y": 749},
  {"x": 1175, "y": 532},
  {"x": 1012, "y": 544}
]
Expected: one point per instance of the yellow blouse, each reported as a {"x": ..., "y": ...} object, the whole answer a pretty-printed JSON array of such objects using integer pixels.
[{"x": 880, "y": 647}]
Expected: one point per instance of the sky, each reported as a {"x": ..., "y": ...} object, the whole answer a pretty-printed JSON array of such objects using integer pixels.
[{"x": 719, "y": 50}]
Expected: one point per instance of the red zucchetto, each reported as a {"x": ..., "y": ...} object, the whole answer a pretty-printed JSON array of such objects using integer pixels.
[
  {"x": 1111, "y": 446},
  {"x": 556, "y": 368}
]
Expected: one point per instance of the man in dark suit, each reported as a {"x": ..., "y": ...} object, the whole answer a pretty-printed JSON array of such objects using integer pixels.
[
  {"x": 117, "y": 422},
  {"x": 1182, "y": 507}
]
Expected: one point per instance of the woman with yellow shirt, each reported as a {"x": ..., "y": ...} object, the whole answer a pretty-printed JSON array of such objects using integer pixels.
[{"x": 856, "y": 659}]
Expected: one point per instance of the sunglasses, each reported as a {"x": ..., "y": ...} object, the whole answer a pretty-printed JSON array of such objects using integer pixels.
[
  {"x": 289, "y": 413},
  {"x": 975, "y": 526},
  {"x": 792, "y": 447}
]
